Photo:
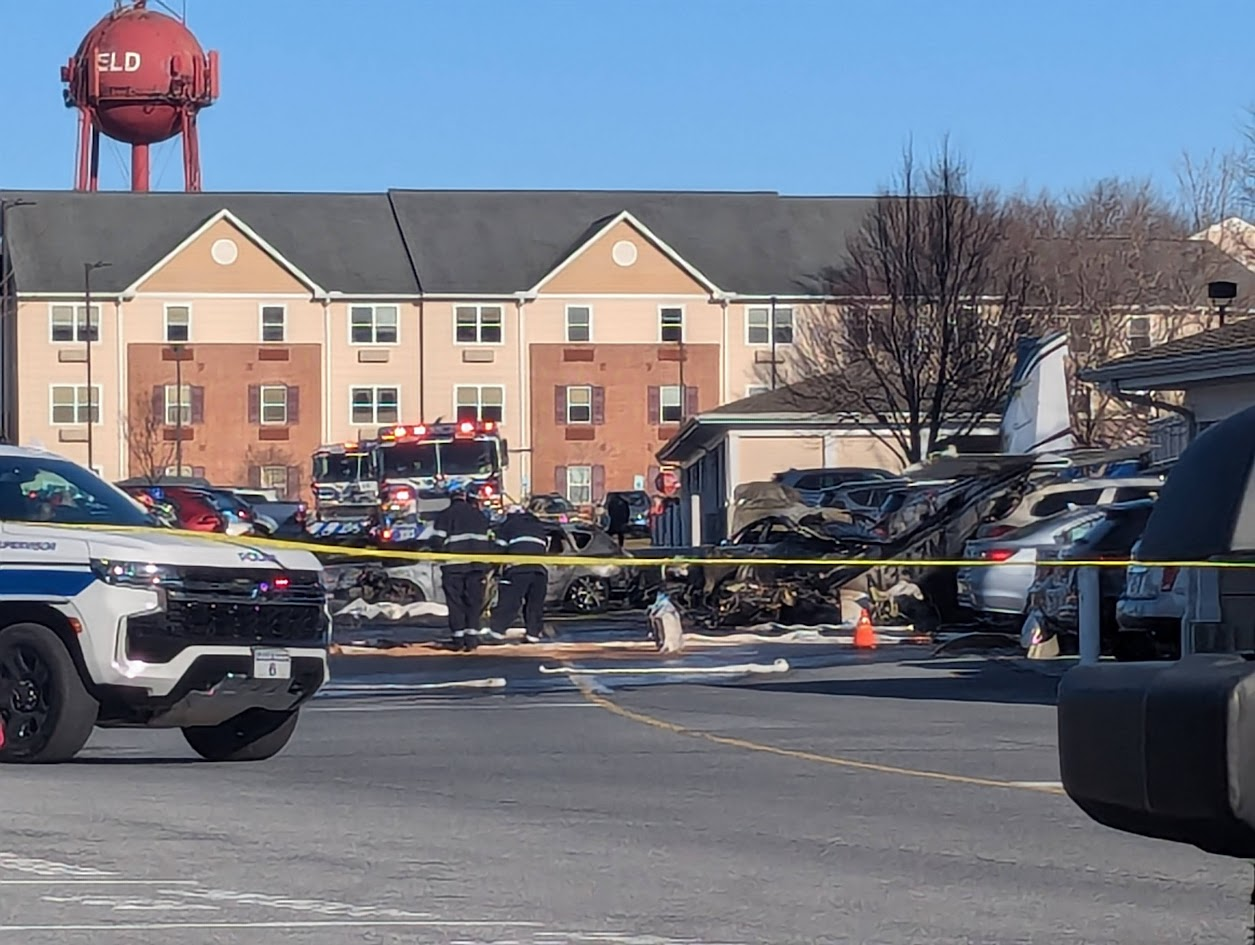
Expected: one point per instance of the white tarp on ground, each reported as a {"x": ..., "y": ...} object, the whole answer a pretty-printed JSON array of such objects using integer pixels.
[{"x": 391, "y": 611}]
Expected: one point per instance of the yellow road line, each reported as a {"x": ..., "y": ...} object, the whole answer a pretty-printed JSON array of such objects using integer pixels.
[{"x": 815, "y": 757}]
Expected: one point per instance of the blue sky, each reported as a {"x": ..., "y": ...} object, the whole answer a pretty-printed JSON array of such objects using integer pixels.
[{"x": 800, "y": 96}]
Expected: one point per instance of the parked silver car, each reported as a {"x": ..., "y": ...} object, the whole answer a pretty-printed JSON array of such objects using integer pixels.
[
  {"x": 1055, "y": 497},
  {"x": 1001, "y": 589}
]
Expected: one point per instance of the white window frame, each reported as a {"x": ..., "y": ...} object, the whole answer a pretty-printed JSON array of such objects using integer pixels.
[
  {"x": 374, "y": 403},
  {"x": 479, "y": 399},
  {"x": 678, "y": 405},
  {"x": 168, "y": 415},
  {"x": 753, "y": 390},
  {"x": 264, "y": 472},
  {"x": 587, "y": 485},
  {"x": 770, "y": 326},
  {"x": 684, "y": 324},
  {"x": 76, "y": 422},
  {"x": 261, "y": 322},
  {"x": 588, "y": 405},
  {"x": 262, "y": 405},
  {"x": 165, "y": 323},
  {"x": 78, "y": 339},
  {"x": 479, "y": 324},
  {"x": 566, "y": 325},
  {"x": 374, "y": 325}
]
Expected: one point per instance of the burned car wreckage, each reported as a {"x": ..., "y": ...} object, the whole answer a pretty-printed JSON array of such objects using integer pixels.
[{"x": 926, "y": 515}]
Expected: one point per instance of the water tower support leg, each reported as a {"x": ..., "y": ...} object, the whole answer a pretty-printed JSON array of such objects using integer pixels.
[
  {"x": 83, "y": 158},
  {"x": 191, "y": 153},
  {"x": 139, "y": 168},
  {"x": 93, "y": 182}
]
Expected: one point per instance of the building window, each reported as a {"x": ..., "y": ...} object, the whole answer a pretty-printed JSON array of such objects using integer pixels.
[
  {"x": 479, "y": 402},
  {"x": 579, "y": 485},
  {"x": 373, "y": 324},
  {"x": 753, "y": 390},
  {"x": 759, "y": 328},
  {"x": 477, "y": 324},
  {"x": 274, "y": 477},
  {"x": 274, "y": 405},
  {"x": 579, "y": 405},
  {"x": 1139, "y": 333},
  {"x": 70, "y": 404},
  {"x": 374, "y": 405},
  {"x": 178, "y": 405},
  {"x": 671, "y": 324},
  {"x": 274, "y": 324},
  {"x": 579, "y": 323},
  {"x": 670, "y": 404},
  {"x": 69, "y": 323},
  {"x": 178, "y": 324}
]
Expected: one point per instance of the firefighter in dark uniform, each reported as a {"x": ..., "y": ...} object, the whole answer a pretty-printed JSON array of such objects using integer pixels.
[
  {"x": 523, "y": 584},
  {"x": 463, "y": 529}
]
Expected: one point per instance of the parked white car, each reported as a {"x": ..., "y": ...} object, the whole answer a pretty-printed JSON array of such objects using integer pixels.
[
  {"x": 128, "y": 624},
  {"x": 1056, "y": 497}
]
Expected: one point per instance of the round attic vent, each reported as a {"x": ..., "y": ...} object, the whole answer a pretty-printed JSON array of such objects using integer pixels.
[
  {"x": 224, "y": 252},
  {"x": 623, "y": 253}
]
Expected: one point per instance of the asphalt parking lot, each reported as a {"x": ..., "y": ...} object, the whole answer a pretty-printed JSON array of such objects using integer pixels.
[{"x": 886, "y": 799}]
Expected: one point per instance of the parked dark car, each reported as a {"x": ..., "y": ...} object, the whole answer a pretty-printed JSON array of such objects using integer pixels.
[{"x": 1054, "y": 593}]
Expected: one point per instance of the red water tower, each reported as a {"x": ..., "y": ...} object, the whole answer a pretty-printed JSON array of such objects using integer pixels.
[{"x": 139, "y": 77}]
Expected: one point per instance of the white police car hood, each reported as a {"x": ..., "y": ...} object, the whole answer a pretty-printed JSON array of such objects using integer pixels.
[{"x": 149, "y": 546}]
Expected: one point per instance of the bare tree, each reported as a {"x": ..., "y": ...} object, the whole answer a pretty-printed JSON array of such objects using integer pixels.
[
  {"x": 1114, "y": 266},
  {"x": 1212, "y": 188},
  {"x": 920, "y": 340},
  {"x": 151, "y": 454}
]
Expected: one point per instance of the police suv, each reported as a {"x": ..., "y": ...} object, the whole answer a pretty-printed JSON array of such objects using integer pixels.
[{"x": 125, "y": 623}]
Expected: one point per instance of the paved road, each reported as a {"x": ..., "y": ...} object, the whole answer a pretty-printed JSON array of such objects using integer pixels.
[{"x": 664, "y": 815}]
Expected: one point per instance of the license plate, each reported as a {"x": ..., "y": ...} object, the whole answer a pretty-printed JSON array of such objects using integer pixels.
[{"x": 272, "y": 664}]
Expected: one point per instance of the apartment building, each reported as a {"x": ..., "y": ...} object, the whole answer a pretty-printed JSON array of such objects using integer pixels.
[{"x": 230, "y": 334}]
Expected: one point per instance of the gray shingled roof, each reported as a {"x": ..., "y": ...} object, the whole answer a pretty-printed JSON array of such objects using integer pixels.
[
  {"x": 507, "y": 241},
  {"x": 492, "y": 242},
  {"x": 343, "y": 242},
  {"x": 1235, "y": 337}
]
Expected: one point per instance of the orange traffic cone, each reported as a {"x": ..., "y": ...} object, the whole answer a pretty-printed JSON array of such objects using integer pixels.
[{"x": 864, "y": 632}]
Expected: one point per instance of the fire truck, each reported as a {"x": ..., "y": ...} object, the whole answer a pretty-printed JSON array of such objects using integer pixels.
[
  {"x": 418, "y": 464},
  {"x": 345, "y": 483}
]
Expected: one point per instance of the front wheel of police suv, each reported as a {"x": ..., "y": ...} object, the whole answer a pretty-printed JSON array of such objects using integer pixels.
[
  {"x": 254, "y": 735},
  {"x": 46, "y": 713}
]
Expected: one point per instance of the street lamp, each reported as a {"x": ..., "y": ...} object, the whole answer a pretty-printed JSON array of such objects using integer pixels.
[
  {"x": 1220, "y": 294},
  {"x": 178, "y": 410},
  {"x": 88, "y": 269}
]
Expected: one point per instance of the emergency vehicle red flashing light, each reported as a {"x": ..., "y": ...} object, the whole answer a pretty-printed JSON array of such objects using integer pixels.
[
  {"x": 403, "y": 495},
  {"x": 486, "y": 489},
  {"x": 420, "y": 431},
  {"x": 467, "y": 427},
  {"x": 282, "y": 582},
  {"x": 398, "y": 431}
]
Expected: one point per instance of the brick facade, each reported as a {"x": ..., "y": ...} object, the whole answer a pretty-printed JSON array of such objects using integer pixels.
[
  {"x": 625, "y": 426},
  {"x": 249, "y": 408}
]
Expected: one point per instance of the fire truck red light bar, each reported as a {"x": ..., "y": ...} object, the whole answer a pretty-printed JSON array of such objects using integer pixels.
[{"x": 467, "y": 427}]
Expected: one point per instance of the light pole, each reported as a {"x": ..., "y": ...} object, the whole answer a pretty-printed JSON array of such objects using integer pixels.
[
  {"x": 771, "y": 327},
  {"x": 6, "y": 273},
  {"x": 178, "y": 410},
  {"x": 88, "y": 269}
]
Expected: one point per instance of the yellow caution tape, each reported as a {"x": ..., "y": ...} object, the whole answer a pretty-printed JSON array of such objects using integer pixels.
[{"x": 631, "y": 562}]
